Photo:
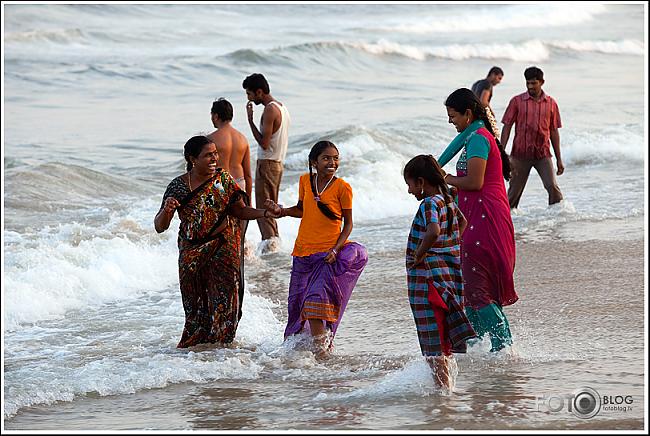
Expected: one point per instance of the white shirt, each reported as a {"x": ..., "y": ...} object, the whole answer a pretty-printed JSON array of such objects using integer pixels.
[{"x": 279, "y": 140}]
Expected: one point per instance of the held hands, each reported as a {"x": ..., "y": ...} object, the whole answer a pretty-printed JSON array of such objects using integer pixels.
[
  {"x": 249, "y": 110},
  {"x": 273, "y": 210}
]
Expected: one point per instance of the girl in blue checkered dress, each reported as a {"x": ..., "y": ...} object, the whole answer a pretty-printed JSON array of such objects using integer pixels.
[{"x": 433, "y": 270}]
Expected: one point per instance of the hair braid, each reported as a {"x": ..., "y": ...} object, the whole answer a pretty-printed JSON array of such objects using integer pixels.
[
  {"x": 426, "y": 167},
  {"x": 505, "y": 160},
  {"x": 316, "y": 150}
]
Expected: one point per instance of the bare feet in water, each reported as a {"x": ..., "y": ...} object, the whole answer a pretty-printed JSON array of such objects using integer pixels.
[
  {"x": 444, "y": 371},
  {"x": 268, "y": 246},
  {"x": 322, "y": 346}
]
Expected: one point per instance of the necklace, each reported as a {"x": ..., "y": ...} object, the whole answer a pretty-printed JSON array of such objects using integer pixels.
[
  {"x": 318, "y": 194},
  {"x": 189, "y": 179}
]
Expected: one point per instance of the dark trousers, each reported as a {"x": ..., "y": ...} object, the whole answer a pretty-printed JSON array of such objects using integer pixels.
[{"x": 520, "y": 170}]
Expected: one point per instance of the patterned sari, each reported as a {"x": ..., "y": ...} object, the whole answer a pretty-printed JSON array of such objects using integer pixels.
[{"x": 209, "y": 262}]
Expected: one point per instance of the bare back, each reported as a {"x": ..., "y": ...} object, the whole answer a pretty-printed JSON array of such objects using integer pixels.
[{"x": 234, "y": 153}]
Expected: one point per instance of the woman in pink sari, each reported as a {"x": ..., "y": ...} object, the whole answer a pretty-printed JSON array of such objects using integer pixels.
[{"x": 488, "y": 244}]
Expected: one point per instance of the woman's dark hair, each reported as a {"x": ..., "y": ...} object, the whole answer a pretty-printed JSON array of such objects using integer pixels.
[
  {"x": 427, "y": 167},
  {"x": 462, "y": 99},
  {"x": 193, "y": 148},
  {"x": 316, "y": 151}
]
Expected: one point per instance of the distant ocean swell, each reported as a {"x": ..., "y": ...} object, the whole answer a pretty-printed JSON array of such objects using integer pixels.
[
  {"x": 423, "y": 22},
  {"x": 532, "y": 50},
  {"x": 529, "y": 50},
  {"x": 489, "y": 19}
]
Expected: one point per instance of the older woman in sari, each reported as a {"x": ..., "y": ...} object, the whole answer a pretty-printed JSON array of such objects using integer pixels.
[
  {"x": 210, "y": 206},
  {"x": 488, "y": 244}
]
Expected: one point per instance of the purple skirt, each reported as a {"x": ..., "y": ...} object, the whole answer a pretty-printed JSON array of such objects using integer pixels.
[{"x": 319, "y": 290}]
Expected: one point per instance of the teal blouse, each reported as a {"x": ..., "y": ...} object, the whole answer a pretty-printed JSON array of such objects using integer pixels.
[{"x": 477, "y": 146}]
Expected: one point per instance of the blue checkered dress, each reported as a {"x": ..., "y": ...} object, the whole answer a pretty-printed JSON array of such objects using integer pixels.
[{"x": 441, "y": 270}]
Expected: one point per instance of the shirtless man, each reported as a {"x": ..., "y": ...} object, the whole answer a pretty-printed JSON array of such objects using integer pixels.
[
  {"x": 232, "y": 146},
  {"x": 234, "y": 157}
]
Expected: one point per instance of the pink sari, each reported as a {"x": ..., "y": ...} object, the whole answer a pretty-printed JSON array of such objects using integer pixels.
[{"x": 488, "y": 243}]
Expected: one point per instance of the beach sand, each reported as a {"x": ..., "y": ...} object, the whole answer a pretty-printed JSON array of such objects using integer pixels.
[{"x": 586, "y": 297}]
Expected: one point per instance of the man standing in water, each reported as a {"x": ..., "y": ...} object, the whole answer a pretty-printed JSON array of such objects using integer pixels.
[
  {"x": 538, "y": 119},
  {"x": 273, "y": 141},
  {"x": 234, "y": 157},
  {"x": 483, "y": 89},
  {"x": 232, "y": 146}
]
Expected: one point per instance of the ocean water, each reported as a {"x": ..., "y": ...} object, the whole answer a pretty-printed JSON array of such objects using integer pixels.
[{"x": 98, "y": 102}]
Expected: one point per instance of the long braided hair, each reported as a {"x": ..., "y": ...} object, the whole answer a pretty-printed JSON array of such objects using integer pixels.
[
  {"x": 427, "y": 167},
  {"x": 316, "y": 151},
  {"x": 462, "y": 99}
]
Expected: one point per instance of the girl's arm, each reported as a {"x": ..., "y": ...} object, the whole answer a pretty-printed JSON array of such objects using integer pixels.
[
  {"x": 345, "y": 233},
  {"x": 294, "y": 211},
  {"x": 430, "y": 236}
]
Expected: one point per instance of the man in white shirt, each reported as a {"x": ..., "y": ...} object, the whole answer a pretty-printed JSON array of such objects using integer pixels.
[{"x": 273, "y": 141}]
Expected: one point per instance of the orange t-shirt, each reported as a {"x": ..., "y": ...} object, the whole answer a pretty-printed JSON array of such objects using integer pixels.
[{"x": 318, "y": 233}]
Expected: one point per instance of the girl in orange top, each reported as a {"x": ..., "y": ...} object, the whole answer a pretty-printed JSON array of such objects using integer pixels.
[{"x": 326, "y": 265}]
